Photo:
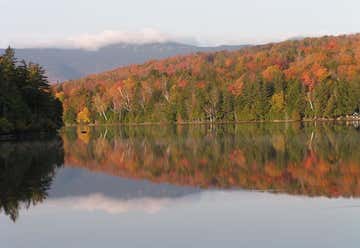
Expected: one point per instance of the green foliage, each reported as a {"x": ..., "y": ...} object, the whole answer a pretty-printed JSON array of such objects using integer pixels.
[
  {"x": 70, "y": 116},
  {"x": 26, "y": 101},
  {"x": 295, "y": 101}
]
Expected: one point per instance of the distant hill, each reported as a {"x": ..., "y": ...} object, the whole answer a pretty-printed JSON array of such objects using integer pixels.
[
  {"x": 310, "y": 78},
  {"x": 67, "y": 64}
]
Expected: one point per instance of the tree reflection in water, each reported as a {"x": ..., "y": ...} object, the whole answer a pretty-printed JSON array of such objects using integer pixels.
[
  {"x": 26, "y": 172},
  {"x": 298, "y": 159},
  {"x": 301, "y": 159}
]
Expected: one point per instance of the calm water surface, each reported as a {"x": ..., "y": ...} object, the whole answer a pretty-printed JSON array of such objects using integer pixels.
[{"x": 250, "y": 185}]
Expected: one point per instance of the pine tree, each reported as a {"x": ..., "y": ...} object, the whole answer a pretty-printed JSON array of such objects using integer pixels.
[{"x": 26, "y": 102}]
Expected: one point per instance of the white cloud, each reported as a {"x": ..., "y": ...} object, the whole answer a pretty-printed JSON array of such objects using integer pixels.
[{"x": 94, "y": 41}]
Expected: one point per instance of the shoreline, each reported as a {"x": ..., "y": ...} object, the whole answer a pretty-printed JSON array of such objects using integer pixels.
[
  {"x": 13, "y": 137},
  {"x": 213, "y": 123},
  {"x": 44, "y": 134}
]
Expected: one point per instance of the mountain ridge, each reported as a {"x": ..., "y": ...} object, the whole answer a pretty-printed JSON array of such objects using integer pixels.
[{"x": 64, "y": 64}]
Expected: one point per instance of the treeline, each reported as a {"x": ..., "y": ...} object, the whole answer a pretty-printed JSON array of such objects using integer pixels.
[
  {"x": 26, "y": 100},
  {"x": 293, "y": 80}
]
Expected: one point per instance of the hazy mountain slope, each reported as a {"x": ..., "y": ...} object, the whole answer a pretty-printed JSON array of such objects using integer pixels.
[{"x": 67, "y": 64}]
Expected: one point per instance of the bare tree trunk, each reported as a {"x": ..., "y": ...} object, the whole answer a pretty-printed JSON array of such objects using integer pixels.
[
  {"x": 311, "y": 103},
  {"x": 103, "y": 113}
]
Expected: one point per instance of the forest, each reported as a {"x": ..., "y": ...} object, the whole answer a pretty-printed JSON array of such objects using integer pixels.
[
  {"x": 27, "y": 103},
  {"x": 307, "y": 79}
]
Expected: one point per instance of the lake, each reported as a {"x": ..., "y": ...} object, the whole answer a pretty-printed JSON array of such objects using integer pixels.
[{"x": 245, "y": 185}]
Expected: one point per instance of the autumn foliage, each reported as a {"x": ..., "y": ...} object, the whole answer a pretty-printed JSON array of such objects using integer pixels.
[{"x": 300, "y": 78}]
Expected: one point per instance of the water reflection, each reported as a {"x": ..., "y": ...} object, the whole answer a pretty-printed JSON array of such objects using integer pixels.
[
  {"x": 300, "y": 159},
  {"x": 83, "y": 190},
  {"x": 121, "y": 169},
  {"x": 26, "y": 172}
]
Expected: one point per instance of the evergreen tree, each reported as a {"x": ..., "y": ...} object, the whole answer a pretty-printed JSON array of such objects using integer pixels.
[{"x": 26, "y": 101}]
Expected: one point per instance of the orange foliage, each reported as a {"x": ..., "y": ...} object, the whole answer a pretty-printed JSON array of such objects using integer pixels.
[
  {"x": 236, "y": 87},
  {"x": 201, "y": 85},
  {"x": 310, "y": 61},
  {"x": 320, "y": 72},
  {"x": 308, "y": 80},
  {"x": 229, "y": 62}
]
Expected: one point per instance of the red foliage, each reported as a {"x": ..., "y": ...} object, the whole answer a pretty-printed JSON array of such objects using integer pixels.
[
  {"x": 310, "y": 61},
  {"x": 308, "y": 80},
  {"x": 201, "y": 85},
  {"x": 182, "y": 83}
]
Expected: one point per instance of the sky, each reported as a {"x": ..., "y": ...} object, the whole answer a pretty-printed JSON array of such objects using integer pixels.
[{"x": 93, "y": 23}]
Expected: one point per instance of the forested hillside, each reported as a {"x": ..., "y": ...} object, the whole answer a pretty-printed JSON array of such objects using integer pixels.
[
  {"x": 26, "y": 101},
  {"x": 310, "y": 78}
]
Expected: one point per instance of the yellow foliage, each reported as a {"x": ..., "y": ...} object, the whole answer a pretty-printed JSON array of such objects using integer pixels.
[
  {"x": 83, "y": 133},
  {"x": 271, "y": 73},
  {"x": 60, "y": 95},
  {"x": 83, "y": 117},
  {"x": 278, "y": 100}
]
